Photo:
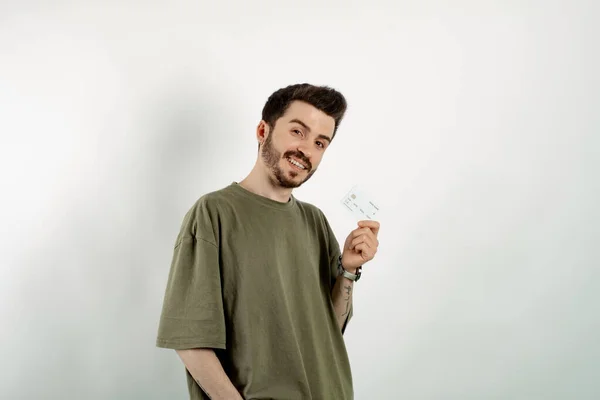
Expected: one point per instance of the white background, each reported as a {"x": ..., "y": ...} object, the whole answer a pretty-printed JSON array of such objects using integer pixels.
[{"x": 474, "y": 125}]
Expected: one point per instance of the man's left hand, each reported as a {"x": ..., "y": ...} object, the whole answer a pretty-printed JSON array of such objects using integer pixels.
[{"x": 361, "y": 245}]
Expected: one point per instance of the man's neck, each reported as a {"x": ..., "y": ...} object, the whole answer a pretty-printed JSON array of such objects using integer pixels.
[{"x": 263, "y": 187}]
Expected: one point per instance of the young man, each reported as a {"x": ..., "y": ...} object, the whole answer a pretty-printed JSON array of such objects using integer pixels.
[{"x": 258, "y": 298}]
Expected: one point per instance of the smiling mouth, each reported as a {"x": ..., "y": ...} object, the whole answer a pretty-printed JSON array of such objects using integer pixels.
[{"x": 296, "y": 164}]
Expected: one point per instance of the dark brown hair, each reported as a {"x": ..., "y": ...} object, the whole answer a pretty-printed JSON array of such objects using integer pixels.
[{"x": 324, "y": 98}]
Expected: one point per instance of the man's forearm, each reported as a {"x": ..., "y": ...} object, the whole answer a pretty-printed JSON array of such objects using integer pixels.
[
  {"x": 207, "y": 371},
  {"x": 341, "y": 295}
]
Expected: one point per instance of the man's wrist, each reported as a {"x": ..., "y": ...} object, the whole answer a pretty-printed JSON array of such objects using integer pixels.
[
  {"x": 353, "y": 271},
  {"x": 352, "y": 274}
]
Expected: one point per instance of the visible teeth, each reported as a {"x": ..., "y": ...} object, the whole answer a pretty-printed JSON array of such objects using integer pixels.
[{"x": 296, "y": 163}]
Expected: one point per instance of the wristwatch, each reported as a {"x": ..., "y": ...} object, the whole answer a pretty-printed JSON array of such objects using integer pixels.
[{"x": 351, "y": 276}]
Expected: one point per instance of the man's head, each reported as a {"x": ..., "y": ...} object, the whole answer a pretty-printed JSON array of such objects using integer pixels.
[{"x": 298, "y": 122}]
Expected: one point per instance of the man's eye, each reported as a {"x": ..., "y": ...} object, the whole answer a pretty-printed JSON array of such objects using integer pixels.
[
  {"x": 322, "y": 145},
  {"x": 296, "y": 130}
]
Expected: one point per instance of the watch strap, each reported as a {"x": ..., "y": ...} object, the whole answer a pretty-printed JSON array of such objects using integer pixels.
[{"x": 346, "y": 274}]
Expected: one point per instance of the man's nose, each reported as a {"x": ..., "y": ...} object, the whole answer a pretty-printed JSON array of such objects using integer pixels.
[{"x": 305, "y": 152}]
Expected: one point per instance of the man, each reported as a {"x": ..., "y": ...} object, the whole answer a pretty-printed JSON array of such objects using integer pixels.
[{"x": 258, "y": 298}]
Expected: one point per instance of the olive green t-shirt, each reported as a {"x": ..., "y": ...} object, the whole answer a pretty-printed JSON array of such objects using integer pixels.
[{"x": 252, "y": 278}]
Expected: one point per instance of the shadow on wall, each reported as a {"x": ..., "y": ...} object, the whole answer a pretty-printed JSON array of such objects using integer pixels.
[{"x": 91, "y": 295}]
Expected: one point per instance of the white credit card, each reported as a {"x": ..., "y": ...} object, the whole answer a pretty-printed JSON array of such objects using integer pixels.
[{"x": 359, "y": 204}]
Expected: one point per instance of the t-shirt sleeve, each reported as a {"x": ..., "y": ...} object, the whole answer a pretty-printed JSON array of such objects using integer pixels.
[
  {"x": 192, "y": 314},
  {"x": 334, "y": 253}
]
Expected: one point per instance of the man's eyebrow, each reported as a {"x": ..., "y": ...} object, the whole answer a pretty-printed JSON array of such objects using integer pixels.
[
  {"x": 301, "y": 123},
  {"x": 295, "y": 120}
]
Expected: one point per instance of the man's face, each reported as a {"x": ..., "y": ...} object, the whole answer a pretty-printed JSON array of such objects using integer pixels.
[{"x": 302, "y": 134}]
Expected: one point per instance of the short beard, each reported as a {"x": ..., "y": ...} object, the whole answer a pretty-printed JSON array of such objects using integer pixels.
[{"x": 271, "y": 158}]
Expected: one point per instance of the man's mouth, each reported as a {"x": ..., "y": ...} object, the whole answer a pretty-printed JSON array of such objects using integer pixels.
[{"x": 296, "y": 164}]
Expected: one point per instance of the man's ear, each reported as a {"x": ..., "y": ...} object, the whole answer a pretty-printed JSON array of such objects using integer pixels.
[{"x": 263, "y": 130}]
